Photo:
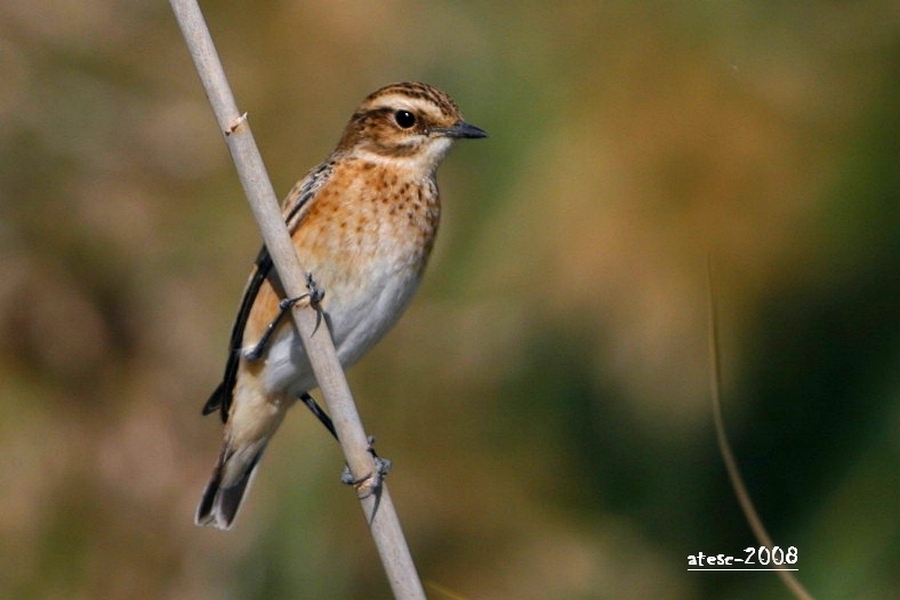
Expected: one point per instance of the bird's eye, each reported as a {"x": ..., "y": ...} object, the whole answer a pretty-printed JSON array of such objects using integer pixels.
[{"x": 405, "y": 119}]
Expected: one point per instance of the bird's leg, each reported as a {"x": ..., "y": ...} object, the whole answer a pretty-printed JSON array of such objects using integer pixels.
[
  {"x": 368, "y": 484},
  {"x": 314, "y": 294},
  {"x": 256, "y": 352},
  {"x": 315, "y": 409}
]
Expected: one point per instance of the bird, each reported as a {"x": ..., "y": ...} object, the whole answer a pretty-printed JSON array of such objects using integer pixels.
[{"x": 363, "y": 223}]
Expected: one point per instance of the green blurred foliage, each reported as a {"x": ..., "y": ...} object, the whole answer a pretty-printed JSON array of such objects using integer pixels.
[{"x": 545, "y": 399}]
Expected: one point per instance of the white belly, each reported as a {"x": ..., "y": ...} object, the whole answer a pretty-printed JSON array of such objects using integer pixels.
[{"x": 356, "y": 321}]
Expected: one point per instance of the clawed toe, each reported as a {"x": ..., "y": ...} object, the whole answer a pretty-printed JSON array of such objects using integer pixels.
[{"x": 370, "y": 483}]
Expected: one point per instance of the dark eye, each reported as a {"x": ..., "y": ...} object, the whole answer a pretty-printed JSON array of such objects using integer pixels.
[{"x": 405, "y": 119}]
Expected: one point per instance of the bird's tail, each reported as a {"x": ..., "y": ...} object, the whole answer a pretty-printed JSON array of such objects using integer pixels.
[{"x": 225, "y": 491}]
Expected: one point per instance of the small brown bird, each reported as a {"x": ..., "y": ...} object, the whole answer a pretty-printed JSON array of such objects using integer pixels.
[{"x": 363, "y": 223}]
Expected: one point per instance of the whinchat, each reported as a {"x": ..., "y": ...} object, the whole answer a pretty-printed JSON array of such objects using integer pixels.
[{"x": 363, "y": 223}]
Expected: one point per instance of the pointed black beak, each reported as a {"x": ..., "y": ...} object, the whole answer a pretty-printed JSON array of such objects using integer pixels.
[{"x": 461, "y": 129}]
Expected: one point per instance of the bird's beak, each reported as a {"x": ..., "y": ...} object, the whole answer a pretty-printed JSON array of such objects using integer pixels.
[{"x": 461, "y": 129}]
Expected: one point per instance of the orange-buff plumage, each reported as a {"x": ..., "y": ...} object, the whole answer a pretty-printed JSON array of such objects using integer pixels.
[{"x": 363, "y": 223}]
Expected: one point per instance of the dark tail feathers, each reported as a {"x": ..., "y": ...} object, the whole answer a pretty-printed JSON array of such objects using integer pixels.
[{"x": 219, "y": 505}]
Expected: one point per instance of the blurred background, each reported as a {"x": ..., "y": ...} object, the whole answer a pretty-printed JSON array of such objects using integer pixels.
[{"x": 545, "y": 400}]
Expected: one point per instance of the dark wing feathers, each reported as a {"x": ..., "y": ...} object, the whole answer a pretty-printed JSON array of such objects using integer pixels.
[
  {"x": 223, "y": 394},
  {"x": 221, "y": 397}
]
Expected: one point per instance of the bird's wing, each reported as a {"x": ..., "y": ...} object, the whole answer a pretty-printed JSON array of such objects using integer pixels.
[
  {"x": 299, "y": 197},
  {"x": 221, "y": 397}
]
